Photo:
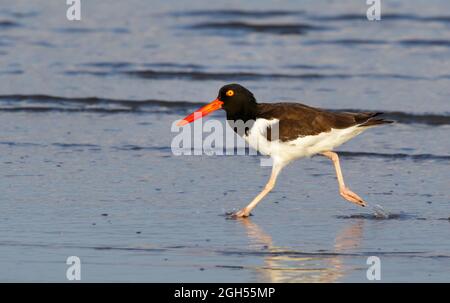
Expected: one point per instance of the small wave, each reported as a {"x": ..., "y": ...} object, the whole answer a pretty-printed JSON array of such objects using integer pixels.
[
  {"x": 385, "y": 17},
  {"x": 43, "y": 103},
  {"x": 237, "y": 13},
  {"x": 396, "y": 156},
  {"x": 18, "y": 14},
  {"x": 270, "y": 28},
  {"x": 112, "y": 65},
  {"x": 393, "y": 156},
  {"x": 363, "y": 17},
  {"x": 174, "y": 65},
  {"x": 374, "y": 216},
  {"x": 240, "y": 76},
  {"x": 405, "y": 42},
  {"x": 132, "y": 147},
  {"x": 89, "y": 146},
  {"x": 341, "y": 17},
  {"x": 349, "y": 42},
  {"x": 89, "y": 72},
  {"x": 143, "y": 249},
  {"x": 124, "y": 65},
  {"x": 86, "y": 30},
  {"x": 425, "y": 42},
  {"x": 228, "y": 13},
  {"x": 227, "y": 76},
  {"x": 241, "y": 252},
  {"x": 99, "y": 247},
  {"x": 308, "y": 66},
  {"x": 331, "y": 254},
  {"x": 392, "y": 76},
  {"x": 198, "y": 76},
  {"x": 6, "y": 24},
  {"x": 76, "y": 145},
  {"x": 20, "y": 144},
  {"x": 12, "y": 72}
]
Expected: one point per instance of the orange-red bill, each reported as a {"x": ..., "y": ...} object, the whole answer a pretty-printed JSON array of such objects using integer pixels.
[{"x": 201, "y": 112}]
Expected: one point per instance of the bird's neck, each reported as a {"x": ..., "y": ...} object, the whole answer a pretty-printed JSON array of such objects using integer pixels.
[
  {"x": 242, "y": 118},
  {"x": 245, "y": 112}
]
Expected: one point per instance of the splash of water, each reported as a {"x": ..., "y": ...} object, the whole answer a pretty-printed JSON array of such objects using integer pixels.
[{"x": 380, "y": 212}]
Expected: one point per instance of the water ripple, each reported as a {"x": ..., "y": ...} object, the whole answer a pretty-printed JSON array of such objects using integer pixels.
[
  {"x": 270, "y": 28},
  {"x": 45, "y": 103}
]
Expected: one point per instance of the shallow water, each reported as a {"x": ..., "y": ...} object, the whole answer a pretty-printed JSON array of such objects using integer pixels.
[{"x": 86, "y": 167}]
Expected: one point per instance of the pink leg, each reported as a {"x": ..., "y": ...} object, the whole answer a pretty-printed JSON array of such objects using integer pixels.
[
  {"x": 245, "y": 212},
  {"x": 345, "y": 192}
]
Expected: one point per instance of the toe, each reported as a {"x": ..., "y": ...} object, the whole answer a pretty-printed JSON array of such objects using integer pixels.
[
  {"x": 352, "y": 197},
  {"x": 240, "y": 214}
]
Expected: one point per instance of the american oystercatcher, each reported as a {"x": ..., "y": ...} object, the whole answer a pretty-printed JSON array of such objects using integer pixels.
[{"x": 288, "y": 131}]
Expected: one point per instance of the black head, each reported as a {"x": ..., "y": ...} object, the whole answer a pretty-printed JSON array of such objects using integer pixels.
[{"x": 238, "y": 102}]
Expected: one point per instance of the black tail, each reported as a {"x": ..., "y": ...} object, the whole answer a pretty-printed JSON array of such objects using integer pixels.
[{"x": 368, "y": 119}]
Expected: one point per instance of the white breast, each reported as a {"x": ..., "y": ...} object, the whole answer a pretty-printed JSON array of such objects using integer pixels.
[
  {"x": 301, "y": 147},
  {"x": 257, "y": 139}
]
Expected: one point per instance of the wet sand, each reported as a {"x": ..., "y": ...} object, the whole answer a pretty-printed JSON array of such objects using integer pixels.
[{"x": 107, "y": 188}]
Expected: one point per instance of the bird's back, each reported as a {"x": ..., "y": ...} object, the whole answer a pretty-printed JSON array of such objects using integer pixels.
[{"x": 298, "y": 120}]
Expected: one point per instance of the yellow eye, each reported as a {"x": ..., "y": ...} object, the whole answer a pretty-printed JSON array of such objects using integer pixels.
[{"x": 230, "y": 93}]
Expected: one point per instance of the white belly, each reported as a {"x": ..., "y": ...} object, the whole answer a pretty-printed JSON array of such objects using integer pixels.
[{"x": 298, "y": 148}]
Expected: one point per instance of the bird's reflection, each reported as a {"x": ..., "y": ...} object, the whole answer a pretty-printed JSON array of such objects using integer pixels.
[{"x": 282, "y": 264}]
